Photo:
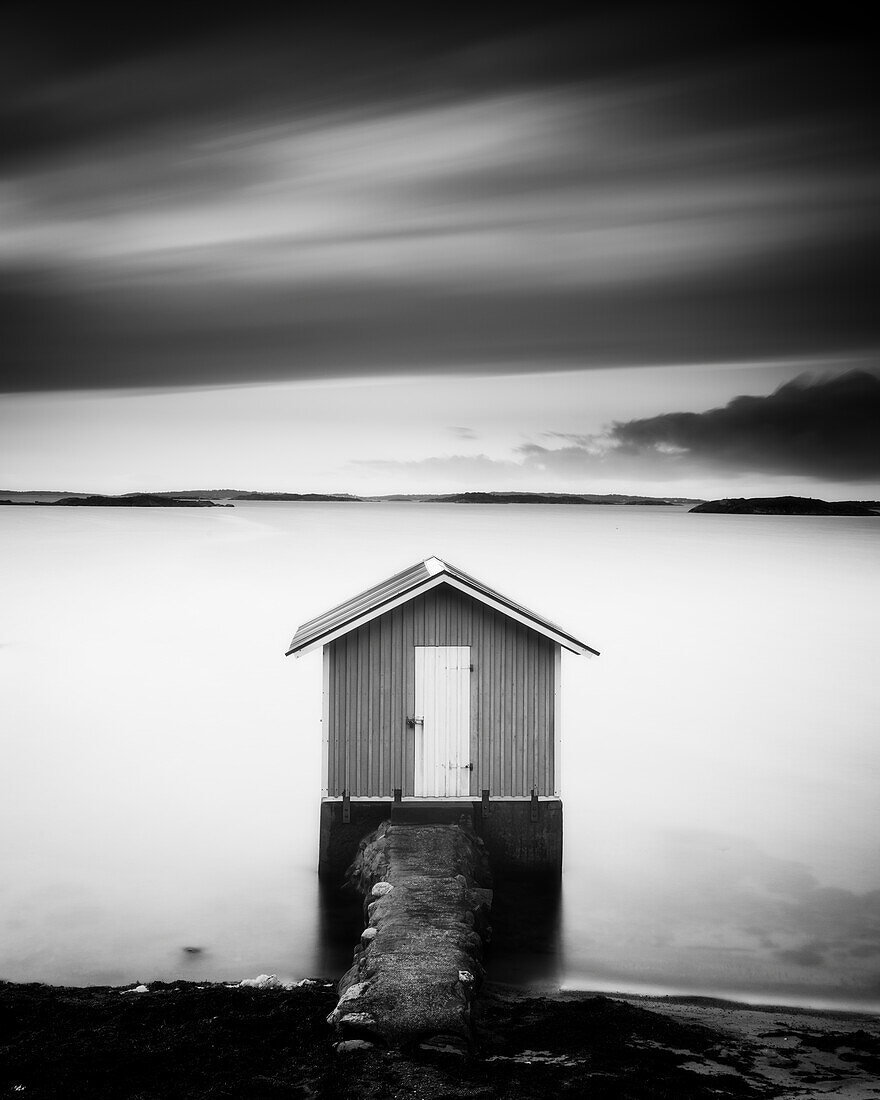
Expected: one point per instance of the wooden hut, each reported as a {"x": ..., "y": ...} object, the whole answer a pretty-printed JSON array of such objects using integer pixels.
[{"x": 438, "y": 691}]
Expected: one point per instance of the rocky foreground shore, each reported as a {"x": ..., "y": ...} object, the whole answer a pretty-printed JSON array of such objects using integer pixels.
[{"x": 188, "y": 1040}]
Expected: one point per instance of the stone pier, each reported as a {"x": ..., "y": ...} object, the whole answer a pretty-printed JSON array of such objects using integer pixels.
[{"x": 417, "y": 969}]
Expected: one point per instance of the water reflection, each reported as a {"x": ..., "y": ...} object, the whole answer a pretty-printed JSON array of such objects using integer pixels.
[
  {"x": 526, "y": 942},
  {"x": 341, "y": 921},
  {"x": 526, "y": 945}
]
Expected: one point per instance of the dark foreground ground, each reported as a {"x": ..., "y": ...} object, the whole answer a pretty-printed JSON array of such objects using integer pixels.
[{"x": 187, "y": 1040}]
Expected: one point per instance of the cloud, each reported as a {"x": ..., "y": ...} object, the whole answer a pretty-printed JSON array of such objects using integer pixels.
[
  {"x": 246, "y": 201},
  {"x": 823, "y": 427},
  {"x": 207, "y": 323}
]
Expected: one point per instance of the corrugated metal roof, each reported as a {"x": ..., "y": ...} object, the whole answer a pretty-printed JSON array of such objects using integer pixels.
[
  {"x": 374, "y": 597},
  {"x": 406, "y": 586}
]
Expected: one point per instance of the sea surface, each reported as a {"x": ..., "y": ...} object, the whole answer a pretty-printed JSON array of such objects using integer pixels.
[{"x": 160, "y": 758}]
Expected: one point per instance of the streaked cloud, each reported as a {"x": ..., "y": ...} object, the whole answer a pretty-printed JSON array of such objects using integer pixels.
[{"x": 234, "y": 204}]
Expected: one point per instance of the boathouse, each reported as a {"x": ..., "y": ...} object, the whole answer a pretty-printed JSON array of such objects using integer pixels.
[{"x": 441, "y": 696}]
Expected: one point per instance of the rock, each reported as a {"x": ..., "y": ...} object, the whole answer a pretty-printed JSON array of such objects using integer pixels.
[
  {"x": 262, "y": 981},
  {"x": 354, "y": 1019},
  {"x": 381, "y": 889},
  {"x": 354, "y": 1046},
  {"x": 352, "y": 993},
  {"x": 444, "y": 1044},
  {"x": 137, "y": 989},
  {"x": 368, "y": 934}
]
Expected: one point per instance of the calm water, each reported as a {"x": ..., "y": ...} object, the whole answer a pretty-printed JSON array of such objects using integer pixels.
[{"x": 161, "y": 758}]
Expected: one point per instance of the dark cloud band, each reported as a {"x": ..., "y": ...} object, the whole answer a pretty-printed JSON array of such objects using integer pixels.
[{"x": 59, "y": 335}]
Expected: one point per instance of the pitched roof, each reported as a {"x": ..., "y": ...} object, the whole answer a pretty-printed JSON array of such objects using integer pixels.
[{"x": 405, "y": 586}]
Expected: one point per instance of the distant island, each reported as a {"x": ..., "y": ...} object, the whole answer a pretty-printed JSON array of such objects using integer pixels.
[
  {"x": 140, "y": 500},
  {"x": 130, "y": 500},
  {"x": 247, "y": 494},
  {"x": 789, "y": 506}
]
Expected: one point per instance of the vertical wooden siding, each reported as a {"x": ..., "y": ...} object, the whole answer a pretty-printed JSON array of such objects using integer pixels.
[{"x": 371, "y": 689}]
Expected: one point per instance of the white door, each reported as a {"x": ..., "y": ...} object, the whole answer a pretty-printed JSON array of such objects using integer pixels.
[{"x": 442, "y": 720}]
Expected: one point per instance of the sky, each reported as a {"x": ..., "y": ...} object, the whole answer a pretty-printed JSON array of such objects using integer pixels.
[{"x": 632, "y": 250}]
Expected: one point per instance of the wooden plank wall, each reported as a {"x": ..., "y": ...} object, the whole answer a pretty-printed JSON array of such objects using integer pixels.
[{"x": 372, "y": 690}]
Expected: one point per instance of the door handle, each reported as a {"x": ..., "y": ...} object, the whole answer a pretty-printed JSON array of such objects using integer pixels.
[
  {"x": 469, "y": 767},
  {"x": 413, "y": 720}
]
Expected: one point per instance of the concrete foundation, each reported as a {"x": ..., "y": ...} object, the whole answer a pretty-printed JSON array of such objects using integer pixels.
[{"x": 523, "y": 838}]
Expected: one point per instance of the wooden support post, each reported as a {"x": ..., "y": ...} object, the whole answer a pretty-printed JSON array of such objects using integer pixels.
[
  {"x": 346, "y": 808},
  {"x": 485, "y": 803},
  {"x": 398, "y": 794},
  {"x": 534, "y": 808}
]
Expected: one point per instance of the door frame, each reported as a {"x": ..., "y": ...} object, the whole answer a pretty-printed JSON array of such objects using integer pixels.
[{"x": 463, "y": 747}]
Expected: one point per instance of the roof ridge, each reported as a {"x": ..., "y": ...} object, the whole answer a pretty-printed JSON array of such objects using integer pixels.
[{"x": 404, "y": 586}]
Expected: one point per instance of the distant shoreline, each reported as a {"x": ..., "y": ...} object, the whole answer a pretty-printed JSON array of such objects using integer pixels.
[
  {"x": 225, "y": 498},
  {"x": 194, "y": 497}
]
